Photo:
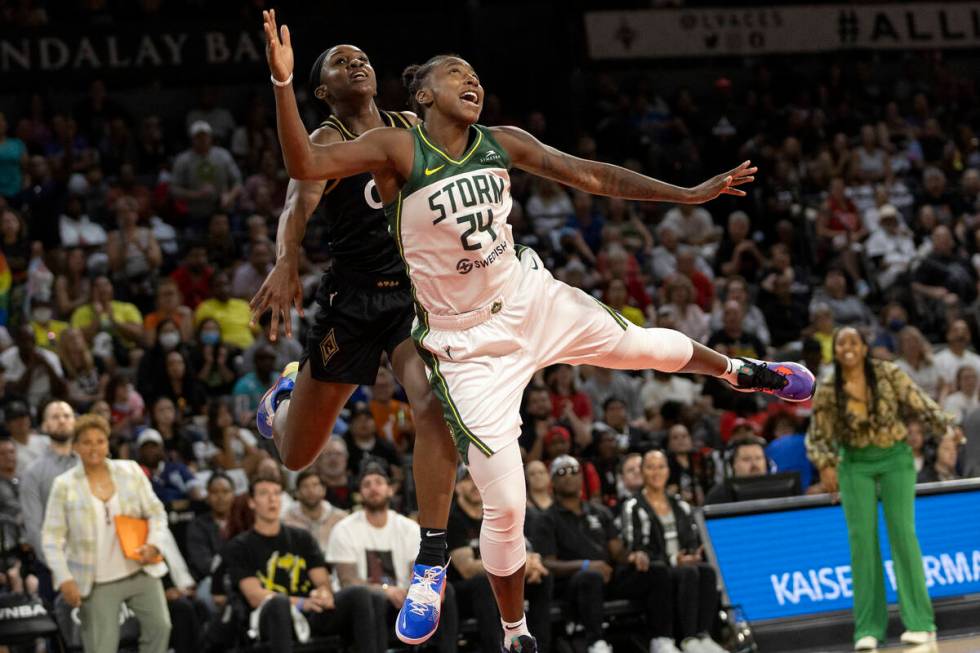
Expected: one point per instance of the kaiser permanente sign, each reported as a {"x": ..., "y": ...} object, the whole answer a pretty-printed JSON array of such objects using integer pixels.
[
  {"x": 795, "y": 561},
  {"x": 764, "y": 30}
]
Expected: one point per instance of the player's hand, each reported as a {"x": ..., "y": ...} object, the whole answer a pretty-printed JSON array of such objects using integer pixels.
[
  {"x": 724, "y": 184},
  {"x": 278, "y": 52},
  {"x": 280, "y": 289}
]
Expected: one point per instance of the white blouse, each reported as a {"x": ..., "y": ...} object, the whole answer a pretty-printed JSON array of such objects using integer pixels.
[{"x": 110, "y": 563}]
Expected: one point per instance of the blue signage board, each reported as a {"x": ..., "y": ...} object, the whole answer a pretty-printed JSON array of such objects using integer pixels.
[{"x": 797, "y": 562}]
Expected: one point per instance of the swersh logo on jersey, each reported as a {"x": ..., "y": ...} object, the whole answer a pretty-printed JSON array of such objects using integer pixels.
[{"x": 466, "y": 265}]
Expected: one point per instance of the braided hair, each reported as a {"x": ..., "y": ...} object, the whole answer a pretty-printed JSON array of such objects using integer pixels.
[
  {"x": 869, "y": 376},
  {"x": 414, "y": 76}
]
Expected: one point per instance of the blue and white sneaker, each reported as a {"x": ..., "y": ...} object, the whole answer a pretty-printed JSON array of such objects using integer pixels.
[
  {"x": 270, "y": 400},
  {"x": 419, "y": 617}
]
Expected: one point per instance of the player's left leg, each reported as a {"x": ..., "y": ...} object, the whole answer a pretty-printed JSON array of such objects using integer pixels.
[
  {"x": 434, "y": 457},
  {"x": 500, "y": 479}
]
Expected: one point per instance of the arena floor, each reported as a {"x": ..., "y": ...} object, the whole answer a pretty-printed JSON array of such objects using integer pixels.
[{"x": 969, "y": 644}]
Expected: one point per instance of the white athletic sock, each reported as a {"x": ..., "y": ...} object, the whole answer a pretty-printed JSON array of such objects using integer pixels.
[
  {"x": 731, "y": 374},
  {"x": 514, "y": 630}
]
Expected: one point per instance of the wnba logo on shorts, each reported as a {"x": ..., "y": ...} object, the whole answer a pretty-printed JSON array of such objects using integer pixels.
[{"x": 464, "y": 266}]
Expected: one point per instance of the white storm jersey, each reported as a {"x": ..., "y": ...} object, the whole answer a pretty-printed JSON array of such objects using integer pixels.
[{"x": 450, "y": 223}]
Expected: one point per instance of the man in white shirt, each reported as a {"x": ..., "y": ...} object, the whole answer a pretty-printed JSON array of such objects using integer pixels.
[
  {"x": 376, "y": 547},
  {"x": 311, "y": 512},
  {"x": 956, "y": 355},
  {"x": 693, "y": 224},
  {"x": 890, "y": 247}
]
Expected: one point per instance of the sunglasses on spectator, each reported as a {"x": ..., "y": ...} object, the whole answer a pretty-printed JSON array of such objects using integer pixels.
[{"x": 570, "y": 469}]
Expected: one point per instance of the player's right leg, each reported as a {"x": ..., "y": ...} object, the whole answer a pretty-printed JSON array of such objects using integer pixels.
[{"x": 343, "y": 350}]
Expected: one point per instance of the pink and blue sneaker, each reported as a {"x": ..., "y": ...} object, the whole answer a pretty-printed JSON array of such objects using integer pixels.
[
  {"x": 270, "y": 400},
  {"x": 418, "y": 618},
  {"x": 788, "y": 381}
]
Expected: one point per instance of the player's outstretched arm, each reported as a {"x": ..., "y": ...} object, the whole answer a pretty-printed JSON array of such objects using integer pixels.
[
  {"x": 305, "y": 159},
  {"x": 530, "y": 154}
]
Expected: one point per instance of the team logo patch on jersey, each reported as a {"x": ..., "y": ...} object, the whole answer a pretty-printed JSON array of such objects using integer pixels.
[
  {"x": 328, "y": 347},
  {"x": 465, "y": 266},
  {"x": 490, "y": 155}
]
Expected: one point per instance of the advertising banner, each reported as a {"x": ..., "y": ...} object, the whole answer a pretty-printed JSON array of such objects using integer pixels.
[
  {"x": 797, "y": 562},
  {"x": 657, "y": 33}
]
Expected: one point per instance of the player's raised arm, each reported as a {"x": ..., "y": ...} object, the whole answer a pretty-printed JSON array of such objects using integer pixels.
[
  {"x": 304, "y": 159},
  {"x": 530, "y": 154}
]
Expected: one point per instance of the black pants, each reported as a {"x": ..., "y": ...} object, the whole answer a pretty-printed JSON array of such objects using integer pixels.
[
  {"x": 681, "y": 602},
  {"x": 188, "y": 617},
  {"x": 358, "y": 616},
  {"x": 585, "y": 593},
  {"x": 651, "y": 588},
  {"x": 474, "y": 597}
]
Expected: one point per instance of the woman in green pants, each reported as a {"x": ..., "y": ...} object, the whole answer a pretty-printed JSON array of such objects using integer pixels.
[{"x": 857, "y": 436}]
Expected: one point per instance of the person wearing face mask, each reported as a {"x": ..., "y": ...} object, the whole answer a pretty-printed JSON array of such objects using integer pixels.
[
  {"x": 214, "y": 359},
  {"x": 170, "y": 306},
  {"x": 232, "y": 315},
  {"x": 47, "y": 330},
  {"x": 166, "y": 338},
  {"x": 857, "y": 439},
  {"x": 894, "y": 317}
]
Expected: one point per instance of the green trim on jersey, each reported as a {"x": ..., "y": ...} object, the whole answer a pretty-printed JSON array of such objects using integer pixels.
[
  {"x": 620, "y": 320},
  {"x": 463, "y": 437},
  {"x": 432, "y": 165}
]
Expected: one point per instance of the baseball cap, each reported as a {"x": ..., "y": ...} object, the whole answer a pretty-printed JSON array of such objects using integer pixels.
[
  {"x": 198, "y": 127},
  {"x": 149, "y": 435},
  {"x": 887, "y": 211},
  {"x": 556, "y": 432},
  {"x": 373, "y": 466},
  {"x": 561, "y": 462},
  {"x": 15, "y": 410}
]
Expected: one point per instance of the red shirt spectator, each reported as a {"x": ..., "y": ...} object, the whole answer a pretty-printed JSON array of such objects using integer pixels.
[{"x": 193, "y": 277}]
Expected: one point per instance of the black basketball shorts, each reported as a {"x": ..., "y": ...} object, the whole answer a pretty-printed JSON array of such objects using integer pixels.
[{"x": 353, "y": 325}]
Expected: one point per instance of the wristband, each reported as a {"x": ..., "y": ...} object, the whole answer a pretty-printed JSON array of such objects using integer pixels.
[
  {"x": 585, "y": 564},
  {"x": 289, "y": 80},
  {"x": 300, "y": 604}
]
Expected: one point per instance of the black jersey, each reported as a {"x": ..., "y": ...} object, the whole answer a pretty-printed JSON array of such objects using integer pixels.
[{"x": 356, "y": 226}]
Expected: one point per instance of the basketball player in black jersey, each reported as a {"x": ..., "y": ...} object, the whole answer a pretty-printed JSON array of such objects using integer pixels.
[{"x": 364, "y": 306}]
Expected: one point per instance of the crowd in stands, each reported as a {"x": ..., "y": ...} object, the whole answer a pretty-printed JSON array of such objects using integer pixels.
[{"x": 131, "y": 247}]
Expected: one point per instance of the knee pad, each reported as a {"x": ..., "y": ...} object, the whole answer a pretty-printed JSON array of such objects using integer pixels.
[
  {"x": 664, "y": 350},
  {"x": 500, "y": 479}
]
